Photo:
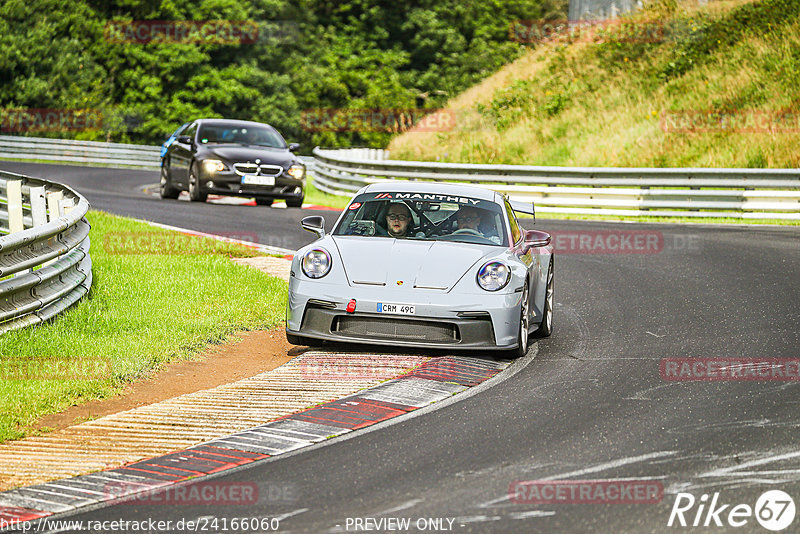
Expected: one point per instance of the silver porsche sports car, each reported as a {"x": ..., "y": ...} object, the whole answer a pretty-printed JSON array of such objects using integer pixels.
[{"x": 423, "y": 265}]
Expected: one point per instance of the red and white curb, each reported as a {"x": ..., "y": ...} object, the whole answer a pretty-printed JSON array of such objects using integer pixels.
[{"x": 435, "y": 380}]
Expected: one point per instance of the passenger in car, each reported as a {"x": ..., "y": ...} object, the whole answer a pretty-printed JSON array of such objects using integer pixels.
[
  {"x": 468, "y": 218},
  {"x": 477, "y": 221}
]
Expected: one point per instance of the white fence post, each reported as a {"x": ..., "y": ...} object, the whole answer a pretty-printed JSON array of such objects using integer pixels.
[
  {"x": 38, "y": 206},
  {"x": 54, "y": 204},
  {"x": 14, "y": 192},
  {"x": 65, "y": 205}
]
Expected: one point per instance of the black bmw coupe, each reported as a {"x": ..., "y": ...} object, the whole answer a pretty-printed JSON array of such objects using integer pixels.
[{"x": 232, "y": 157}]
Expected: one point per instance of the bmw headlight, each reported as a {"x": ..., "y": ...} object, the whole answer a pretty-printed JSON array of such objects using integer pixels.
[
  {"x": 298, "y": 172},
  {"x": 316, "y": 263},
  {"x": 494, "y": 276},
  {"x": 213, "y": 165}
]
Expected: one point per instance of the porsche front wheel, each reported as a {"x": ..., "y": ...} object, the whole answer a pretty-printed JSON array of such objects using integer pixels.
[
  {"x": 524, "y": 324},
  {"x": 546, "y": 328}
]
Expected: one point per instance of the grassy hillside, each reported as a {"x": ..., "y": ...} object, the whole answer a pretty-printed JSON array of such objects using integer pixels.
[{"x": 612, "y": 102}]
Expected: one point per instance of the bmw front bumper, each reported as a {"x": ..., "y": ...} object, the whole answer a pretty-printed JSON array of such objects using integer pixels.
[{"x": 229, "y": 183}]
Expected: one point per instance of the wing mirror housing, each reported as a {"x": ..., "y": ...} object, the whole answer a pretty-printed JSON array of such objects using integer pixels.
[
  {"x": 184, "y": 140},
  {"x": 315, "y": 224},
  {"x": 293, "y": 147},
  {"x": 536, "y": 238}
]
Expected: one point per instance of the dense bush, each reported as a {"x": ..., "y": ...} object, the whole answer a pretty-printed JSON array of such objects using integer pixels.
[{"x": 359, "y": 54}]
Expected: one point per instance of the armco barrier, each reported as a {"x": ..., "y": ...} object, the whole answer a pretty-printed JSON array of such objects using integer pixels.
[
  {"x": 112, "y": 154},
  {"x": 44, "y": 250},
  {"x": 737, "y": 193},
  {"x": 89, "y": 152}
]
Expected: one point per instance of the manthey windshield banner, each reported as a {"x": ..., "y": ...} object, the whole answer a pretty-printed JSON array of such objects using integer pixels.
[{"x": 423, "y": 197}]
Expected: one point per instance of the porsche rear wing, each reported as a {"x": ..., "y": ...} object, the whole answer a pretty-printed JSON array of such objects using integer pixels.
[{"x": 524, "y": 207}]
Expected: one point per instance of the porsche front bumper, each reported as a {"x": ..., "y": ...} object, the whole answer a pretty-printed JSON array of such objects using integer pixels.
[{"x": 441, "y": 320}]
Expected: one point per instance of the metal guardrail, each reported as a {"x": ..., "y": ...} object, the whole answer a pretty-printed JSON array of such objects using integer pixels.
[
  {"x": 599, "y": 9},
  {"x": 736, "y": 193},
  {"x": 112, "y": 154},
  {"x": 45, "y": 265},
  {"x": 606, "y": 9},
  {"x": 89, "y": 152}
]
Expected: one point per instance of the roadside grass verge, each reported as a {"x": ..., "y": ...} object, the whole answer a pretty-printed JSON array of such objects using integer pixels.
[
  {"x": 156, "y": 296},
  {"x": 320, "y": 198}
]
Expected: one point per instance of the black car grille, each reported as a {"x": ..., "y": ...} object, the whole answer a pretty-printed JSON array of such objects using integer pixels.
[
  {"x": 401, "y": 330},
  {"x": 253, "y": 168}
]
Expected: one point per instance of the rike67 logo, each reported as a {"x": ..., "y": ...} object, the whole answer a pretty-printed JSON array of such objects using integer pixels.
[{"x": 774, "y": 510}]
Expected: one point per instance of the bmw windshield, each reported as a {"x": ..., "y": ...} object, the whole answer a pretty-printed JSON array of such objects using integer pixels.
[
  {"x": 429, "y": 217},
  {"x": 234, "y": 133}
]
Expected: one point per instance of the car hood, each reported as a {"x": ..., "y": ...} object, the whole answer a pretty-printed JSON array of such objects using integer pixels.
[
  {"x": 420, "y": 264},
  {"x": 239, "y": 153}
]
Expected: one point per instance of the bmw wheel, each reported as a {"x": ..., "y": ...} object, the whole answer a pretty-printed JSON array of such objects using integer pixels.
[
  {"x": 295, "y": 202},
  {"x": 546, "y": 328},
  {"x": 195, "y": 194},
  {"x": 165, "y": 187}
]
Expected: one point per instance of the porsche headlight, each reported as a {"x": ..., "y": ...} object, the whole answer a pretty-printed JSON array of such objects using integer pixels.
[
  {"x": 213, "y": 165},
  {"x": 494, "y": 276},
  {"x": 316, "y": 263},
  {"x": 298, "y": 172}
]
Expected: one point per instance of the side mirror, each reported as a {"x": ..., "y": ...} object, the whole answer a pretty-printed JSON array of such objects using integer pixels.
[
  {"x": 536, "y": 238},
  {"x": 314, "y": 223},
  {"x": 184, "y": 140},
  {"x": 293, "y": 146}
]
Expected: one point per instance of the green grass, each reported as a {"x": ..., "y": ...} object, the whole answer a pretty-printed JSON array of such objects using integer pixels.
[
  {"x": 602, "y": 103},
  {"x": 157, "y": 296},
  {"x": 315, "y": 196}
]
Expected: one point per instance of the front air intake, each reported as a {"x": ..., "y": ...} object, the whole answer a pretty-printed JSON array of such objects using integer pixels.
[{"x": 392, "y": 329}]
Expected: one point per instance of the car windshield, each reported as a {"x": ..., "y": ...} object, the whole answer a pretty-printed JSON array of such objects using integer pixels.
[
  {"x": 240, "y": 134},
  {"x": 424, "y": 216}
]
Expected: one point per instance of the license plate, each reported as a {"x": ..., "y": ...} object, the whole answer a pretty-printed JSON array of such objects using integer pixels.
[
  {"x": 252, "y": 179},
  {"x": 399, "y": 309}
]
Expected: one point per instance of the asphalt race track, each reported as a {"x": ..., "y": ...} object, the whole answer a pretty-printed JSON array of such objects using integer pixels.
[
  {"x": 120, "y": 191},
  {"x": 591, "y": 405}
]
